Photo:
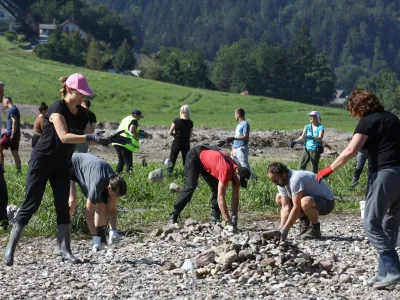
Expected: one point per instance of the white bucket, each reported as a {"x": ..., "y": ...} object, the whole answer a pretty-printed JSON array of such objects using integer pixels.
[{"x": 362, "y": 206}]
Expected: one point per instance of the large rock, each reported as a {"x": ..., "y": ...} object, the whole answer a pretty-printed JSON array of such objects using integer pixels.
[
  {"x": 205, "y": 258},
  {"x": 269, "y": 235},
  {"x": 156, "y": 175},
  {"x": 227, "y": 258}
]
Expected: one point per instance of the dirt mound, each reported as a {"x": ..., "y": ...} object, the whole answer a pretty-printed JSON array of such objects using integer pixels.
[{"x": 107, "y": 125}]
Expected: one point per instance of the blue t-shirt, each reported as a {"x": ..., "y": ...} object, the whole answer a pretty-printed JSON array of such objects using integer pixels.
[
  {"x": 13, "y": 112},
  {"x": 310, "y": 144},
  {"x": 241, "y": 128}
]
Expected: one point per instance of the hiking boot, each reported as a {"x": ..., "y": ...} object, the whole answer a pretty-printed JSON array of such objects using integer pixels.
[
  {"x": 173, "y": 218},
  {"x": 304, "y": 223},
  {"x": 313, "y": 232}
]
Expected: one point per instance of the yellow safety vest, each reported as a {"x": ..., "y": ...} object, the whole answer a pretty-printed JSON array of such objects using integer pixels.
[{"x": 134, "y": 146}]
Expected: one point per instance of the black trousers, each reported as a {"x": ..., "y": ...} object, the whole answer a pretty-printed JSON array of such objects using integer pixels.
[
  {"x": 193, "y": 169},
  {"x": 35, "y": 139},
  {"x": 173, "y": 156},
  {"x": 3, "y": 197},
  {"x": 40, "y": 170},
  {"x": 125, "y": 157}
]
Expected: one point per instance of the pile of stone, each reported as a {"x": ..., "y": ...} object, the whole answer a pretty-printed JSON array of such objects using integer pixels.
[{"x": 243, "y": 257}]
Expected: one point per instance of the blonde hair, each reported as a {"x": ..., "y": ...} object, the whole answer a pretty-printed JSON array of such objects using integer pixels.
[
  {"x": 63, "y": 90},
  {"x": 185, "y": 111}
]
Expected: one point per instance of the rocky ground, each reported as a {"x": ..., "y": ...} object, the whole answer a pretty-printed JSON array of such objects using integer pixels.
[{"x": 201, "y": 261}]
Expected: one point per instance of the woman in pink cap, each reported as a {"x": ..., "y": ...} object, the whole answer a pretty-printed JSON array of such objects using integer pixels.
[{"x": 65, "y": 125}]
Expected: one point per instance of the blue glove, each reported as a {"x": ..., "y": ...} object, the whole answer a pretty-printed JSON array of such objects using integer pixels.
[{"x": 292, "y": 143}]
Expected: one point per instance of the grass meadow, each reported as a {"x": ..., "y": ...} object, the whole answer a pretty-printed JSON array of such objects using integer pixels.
[
  {"x": 30, "y": 80},
  {"x": 148, "y": 204}
]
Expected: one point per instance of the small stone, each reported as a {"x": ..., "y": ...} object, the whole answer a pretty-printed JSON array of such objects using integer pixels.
[
  {"x": 252, "y": 280},
  {"x": 345, "y": 278},
  {"x": 227, "y": 258},
  {"x": 190, "y": 222},
  {"x": 156, "y": 175},
  {"x": 168, "y": 266},
  {"x": 188, "y": 265},
  {"x": 246, "y": 254},
  {"x": 156, "y": 232},
  {"x": 326, "y": 265},
  {"x": 242, "y": 279},
  {"x": 205, "y": 258},
  {"x": 269, "y": 235},
  {"x": 174, "y": 187}
]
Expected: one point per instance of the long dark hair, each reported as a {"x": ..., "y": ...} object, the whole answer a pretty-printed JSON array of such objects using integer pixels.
[{"x": 43, "y": 106}]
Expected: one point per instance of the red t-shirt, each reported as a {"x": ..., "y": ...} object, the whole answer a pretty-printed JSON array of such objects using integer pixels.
[{"x": 215, "y": 164}]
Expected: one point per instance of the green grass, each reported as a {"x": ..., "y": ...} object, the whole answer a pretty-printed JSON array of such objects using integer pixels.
[
  {"x": 149, "y": 204},
  {"x": 30, "y": 80}
]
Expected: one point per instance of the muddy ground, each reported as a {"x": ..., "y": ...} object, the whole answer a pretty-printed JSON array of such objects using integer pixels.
[{"x": 263, "y": 143}]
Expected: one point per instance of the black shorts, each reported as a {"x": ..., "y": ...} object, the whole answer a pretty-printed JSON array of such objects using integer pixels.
[{"x": 323, "y": 205}]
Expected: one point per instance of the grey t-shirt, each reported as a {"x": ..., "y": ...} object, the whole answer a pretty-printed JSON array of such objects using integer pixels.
[
  {"x": 305, "y": 181},
  {"x": 92, "y": 174}
]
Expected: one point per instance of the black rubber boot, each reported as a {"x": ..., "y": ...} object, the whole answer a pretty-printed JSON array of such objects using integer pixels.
[
  {"x": 391, "y": 263},
  {"x": 15, "y": 235},
  {"x": 215, "y": 216},
  {"x": 64, "y": 238},
  {"x": 169, "y": 171},
  {"x": 173, "y": 218},
  {"x": 356, "y": 177}
]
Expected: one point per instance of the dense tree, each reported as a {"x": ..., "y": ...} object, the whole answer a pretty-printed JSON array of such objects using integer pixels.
[
  {"x": 93, "y": 59},
  {"x": 124, "y": 59}
]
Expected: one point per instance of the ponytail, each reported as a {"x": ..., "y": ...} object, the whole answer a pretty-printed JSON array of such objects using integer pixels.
[
  {"x": 43, "y": 106},
  {"x": 63, "y": 90},
  {"x": 186, "y": 111}
]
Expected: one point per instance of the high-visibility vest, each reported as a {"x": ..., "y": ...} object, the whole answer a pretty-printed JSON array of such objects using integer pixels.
[{"x": 134, "y": 146}]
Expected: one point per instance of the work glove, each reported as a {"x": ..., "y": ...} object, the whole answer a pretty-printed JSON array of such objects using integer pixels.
[
  {"x": 230, "y": 139},
  {"x": 324, "y": 173},
  {"x": 292, "y": 143},
  {"x": 96, "y": 243},
  {"x": 115, "y": 138},
  {"x": 221, "y": 143},
  {"x": 234, "y": 221},
  {"x": 284, "y": 233},
  {"x": 144, "y": 134},
  {"x": 113, "y": 237}
]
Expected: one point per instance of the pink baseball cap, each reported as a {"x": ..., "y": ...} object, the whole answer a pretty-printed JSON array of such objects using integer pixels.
[{"x": 79, "y": 82}]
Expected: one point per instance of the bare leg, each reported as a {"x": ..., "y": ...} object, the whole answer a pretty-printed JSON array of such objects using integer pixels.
[
  {"x": 309, "y": 208},
  {"x": 72, "y": 198}
]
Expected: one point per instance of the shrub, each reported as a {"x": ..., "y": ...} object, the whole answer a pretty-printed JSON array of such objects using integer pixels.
[
  {"x": 21, "y": 38},
  {"x": 10, "y": 36}
]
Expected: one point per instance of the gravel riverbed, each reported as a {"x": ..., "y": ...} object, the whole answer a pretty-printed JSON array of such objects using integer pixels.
[{"x": 202, "y": 261}]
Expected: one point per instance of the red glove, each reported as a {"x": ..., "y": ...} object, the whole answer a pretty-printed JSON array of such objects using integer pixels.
[{"x": 324, "y": 173}]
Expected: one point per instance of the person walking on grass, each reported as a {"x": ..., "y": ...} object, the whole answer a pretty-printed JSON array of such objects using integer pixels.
[
  {"x": 300, "y": 197},
  {"x": 65, "y": 125},
  {"x": 10, "y": 139},
  {"x": 313, "y": 134},
  {"x": 102, "y": 187},
  {"x": 377, "y": 134},
  {"x": 240, "y": 146},
  {"x": 182, "y": 130},
  {"x": 39, "y": 123},
  {"x": 130, "y": 126},
  {"x": 218, "y": 169},
  {"x": 83, "y": 148}
]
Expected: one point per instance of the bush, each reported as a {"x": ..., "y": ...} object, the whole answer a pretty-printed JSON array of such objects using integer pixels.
[
  {"x": 21, "y": 38},
  {"x": 10, "y": 36}
]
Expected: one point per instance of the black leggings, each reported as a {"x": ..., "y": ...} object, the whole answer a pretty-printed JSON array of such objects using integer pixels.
[
  {"x": 40, "y": 170},
  {"x": 125, "y": 157},
  {"x": 175, "y": 149},
  {"x": 3, "y": 197},
  {"x": 193, "y": 169}
]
